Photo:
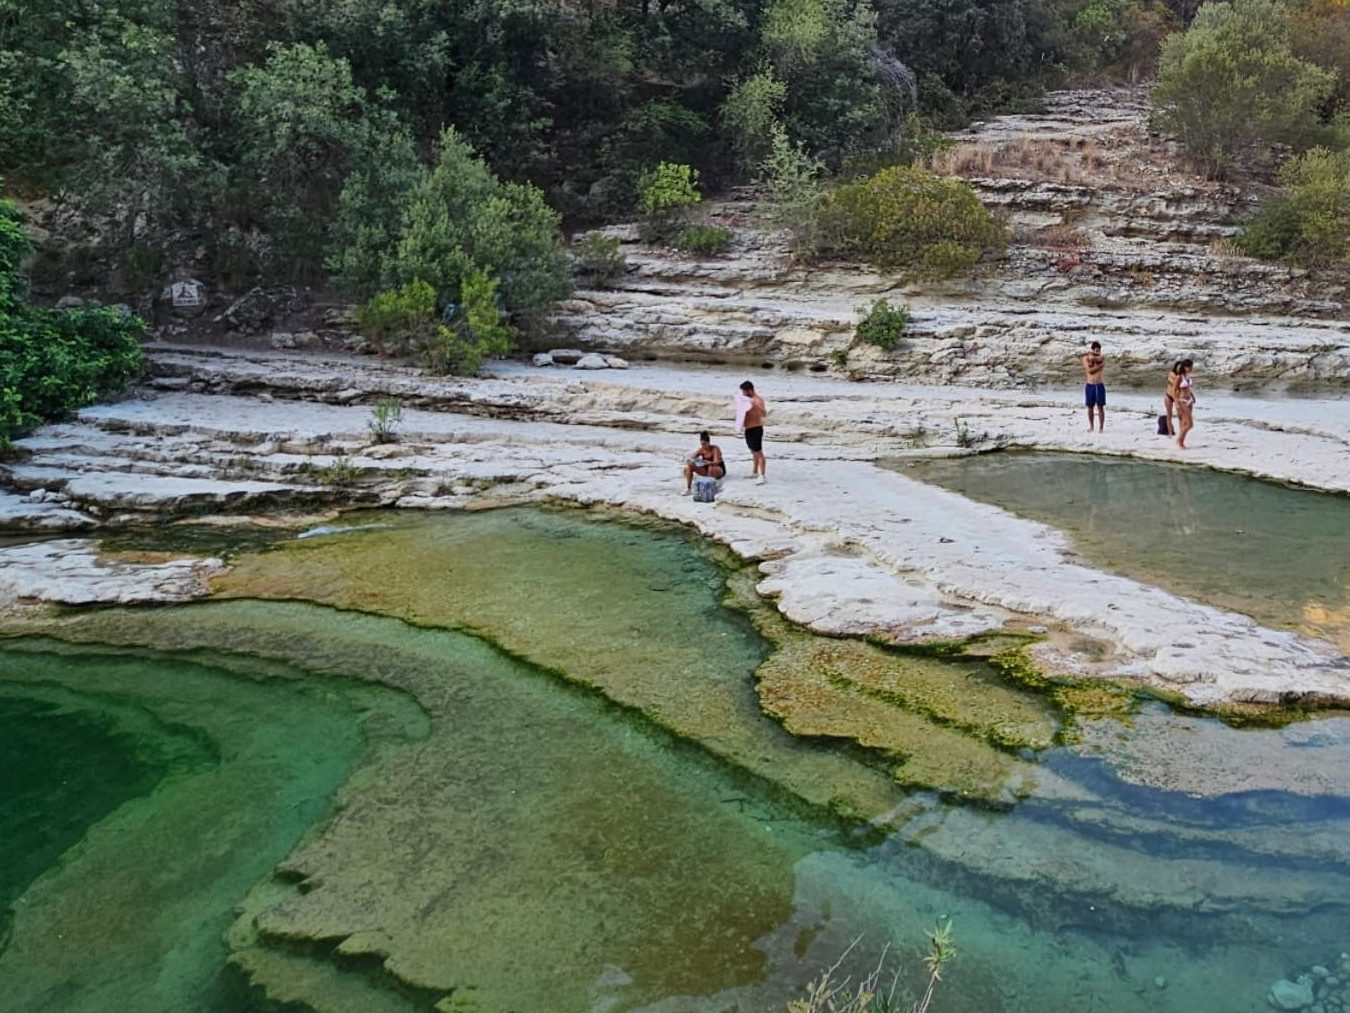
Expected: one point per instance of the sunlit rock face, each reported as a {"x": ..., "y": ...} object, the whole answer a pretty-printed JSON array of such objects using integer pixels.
[{"x": 1112, "y": 240}]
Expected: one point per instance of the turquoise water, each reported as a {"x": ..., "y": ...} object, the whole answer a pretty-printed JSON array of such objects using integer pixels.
[
  {"x": 142, "y": 795},
  {"x": 355, "y": 813},
  {"x": 1278, "y": 554}
]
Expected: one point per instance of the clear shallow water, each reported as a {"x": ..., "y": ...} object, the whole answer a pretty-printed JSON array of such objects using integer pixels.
[
  {"x": 1278, "y": 554},
  {"x": 542, "y": 848}
]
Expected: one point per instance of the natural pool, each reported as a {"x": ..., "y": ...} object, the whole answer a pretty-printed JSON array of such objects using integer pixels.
[
  {"x": 1278, "y": 554},
  {"x": 519, "y": 758}
]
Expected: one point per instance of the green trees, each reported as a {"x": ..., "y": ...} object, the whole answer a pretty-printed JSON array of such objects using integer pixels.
[
  {"x": 52, "y": 362},
  {"x": 459, "y": 218},
  {"x": 489, "y": 252},
  {"x": 906, "y": 218},
  {"x": 1230, "y": 86},
  {"x": 302, "y": 130}
]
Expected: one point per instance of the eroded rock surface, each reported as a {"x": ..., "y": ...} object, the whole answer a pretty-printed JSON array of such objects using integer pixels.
[
  {"x": 1112, "y": 241},
  {"x": 923, "y": 563}
]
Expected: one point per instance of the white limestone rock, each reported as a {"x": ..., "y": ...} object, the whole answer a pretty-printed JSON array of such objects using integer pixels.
[
  {"x": 541, "y": 359},
  {"x": 591, "y": 360}
]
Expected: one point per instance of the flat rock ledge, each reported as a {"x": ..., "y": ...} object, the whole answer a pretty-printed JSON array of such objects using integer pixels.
[
  {"x": 845, "y": 546},
  {"x": 71, "y": 571}
]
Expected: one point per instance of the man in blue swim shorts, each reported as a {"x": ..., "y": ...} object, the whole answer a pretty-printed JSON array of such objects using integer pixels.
[{"x": 1094, "y": 390}]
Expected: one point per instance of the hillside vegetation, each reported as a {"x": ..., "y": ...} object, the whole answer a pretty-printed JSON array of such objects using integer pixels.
[{"x": 373, "y": 145}]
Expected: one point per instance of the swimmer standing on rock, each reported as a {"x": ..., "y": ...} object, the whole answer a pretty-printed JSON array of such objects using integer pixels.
[
  {"x": 750, "y": 412},
  {"x": 1094, "y": 389}
]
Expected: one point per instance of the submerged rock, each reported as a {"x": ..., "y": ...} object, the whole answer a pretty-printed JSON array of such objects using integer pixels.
[{"x": 1292, "y": 995}]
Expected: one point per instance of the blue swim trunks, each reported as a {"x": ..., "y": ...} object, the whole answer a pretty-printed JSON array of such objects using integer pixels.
[{"x": 1094, "y": 395}]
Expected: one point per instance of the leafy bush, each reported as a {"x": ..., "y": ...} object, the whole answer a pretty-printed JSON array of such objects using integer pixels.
[
  {"x": 52, "y": 362},
  {"x": 400, "y": 320},
  {"x": 471, "y": 329},
  {"x": 476, "y": 332},
  {"x": 1312, "y": 223},
  {"x": 663, "y": 193},
  {"x": 708, "y": 240},
  {"x": 883, "y": 325},
  {"x": 1230, "y": 86},
  {"x": 1273, "y": 232},
  {"x": 907, "y": 218},
  {"x": 598, "y": 259}
]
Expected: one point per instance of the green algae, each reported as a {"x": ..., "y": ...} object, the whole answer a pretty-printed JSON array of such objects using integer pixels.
[
  {"x": 535, "y": 836},
  {"x": 633, "y": 613},
  {"x": 130, "y": 916},
  {"x": 504, "y": 857},
  {"x": 64, "y": 765}
]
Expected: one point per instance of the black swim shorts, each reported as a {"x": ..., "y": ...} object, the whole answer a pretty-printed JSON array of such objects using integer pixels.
[{"x": 754, "y": 439}]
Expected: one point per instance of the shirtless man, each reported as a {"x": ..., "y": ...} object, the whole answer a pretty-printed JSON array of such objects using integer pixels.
[
  {"x": 1094, "y": 390},
  {"x": 706, "y": 460},
  {"x": 750, "y": 413}
]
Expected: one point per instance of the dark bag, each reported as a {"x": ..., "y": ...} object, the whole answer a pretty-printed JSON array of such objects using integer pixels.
[{"x": 1162, "y": 426}]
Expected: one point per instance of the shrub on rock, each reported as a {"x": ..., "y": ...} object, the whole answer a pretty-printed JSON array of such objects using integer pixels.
[
  {"x": 706, "y": 240},
  {"x": 598, "y": 260},
  {"x": 906, "y": 218},
  {"x": 883, "y": 325},
  {"x": 1311, "y": 224}
]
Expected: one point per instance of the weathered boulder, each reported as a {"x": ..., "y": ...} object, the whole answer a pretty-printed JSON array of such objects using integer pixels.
[
  {"x": 591, "y": 360},
  {"x": 1292, "y": 995},
  {"x": 542, "y": 359},
  {"x": 614, "y": 362},
  {"x": 566, "y": 356}
]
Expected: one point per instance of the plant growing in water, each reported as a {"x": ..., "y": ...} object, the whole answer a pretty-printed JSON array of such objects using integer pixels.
[
  {"x": 826, "y": 995},
  {"x": 384, "y": 419}
]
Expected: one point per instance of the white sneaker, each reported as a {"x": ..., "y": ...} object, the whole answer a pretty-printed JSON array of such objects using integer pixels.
[{"x": 759, "y": 480}]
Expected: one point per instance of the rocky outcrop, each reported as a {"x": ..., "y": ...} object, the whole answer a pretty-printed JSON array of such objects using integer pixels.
[{"x": 1112, "y": 241}]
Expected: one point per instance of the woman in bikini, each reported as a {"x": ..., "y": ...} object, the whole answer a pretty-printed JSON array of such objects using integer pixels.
[
  {"x": 706, "y": 460},
  {"x": 1170, "y": 397},
  {"x": 1184, "y": 398}
]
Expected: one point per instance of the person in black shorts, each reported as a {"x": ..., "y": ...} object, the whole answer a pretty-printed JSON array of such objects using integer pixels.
[{"x": 750, "y": 412}]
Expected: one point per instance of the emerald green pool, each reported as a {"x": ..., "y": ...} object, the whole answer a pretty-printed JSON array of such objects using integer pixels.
[
  {"x": 513, "y": 761},
  {"x": 1278, "y": 554}
]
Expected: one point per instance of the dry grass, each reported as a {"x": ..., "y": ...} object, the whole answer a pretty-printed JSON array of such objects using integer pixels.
[
  {"x": 1073, "y": 160},
  {"x": 1059, "y": 237}
]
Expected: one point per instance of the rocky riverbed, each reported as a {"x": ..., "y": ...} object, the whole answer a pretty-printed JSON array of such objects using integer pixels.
[{"x": 846, "y": 546}]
